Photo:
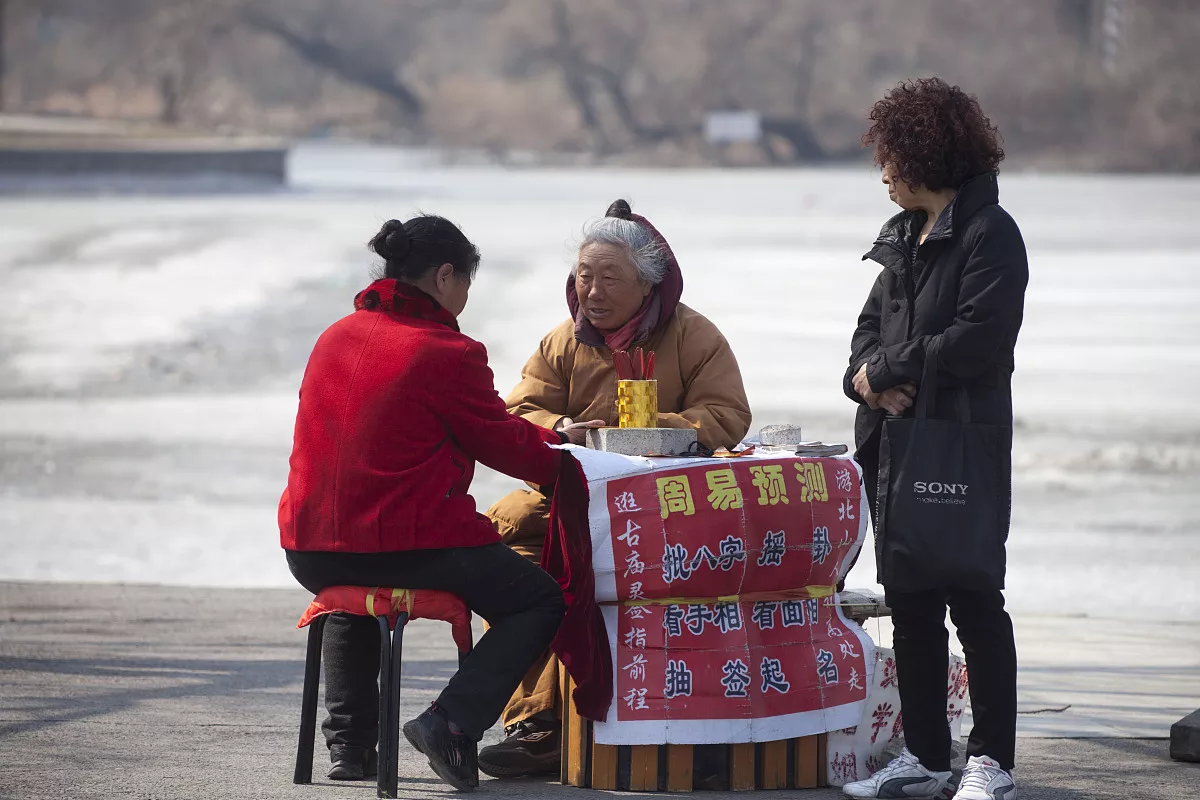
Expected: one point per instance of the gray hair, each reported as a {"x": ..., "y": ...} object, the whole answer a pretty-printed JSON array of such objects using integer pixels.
[{"x": 648, "y": 256}]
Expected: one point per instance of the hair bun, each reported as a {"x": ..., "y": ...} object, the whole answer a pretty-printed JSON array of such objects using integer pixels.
[
  {"x": 620, "y": 209},
  {"x": 392, "y": 243}
]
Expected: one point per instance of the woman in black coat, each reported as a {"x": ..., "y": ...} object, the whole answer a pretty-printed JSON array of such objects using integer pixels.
[{"x": 952, "y": 284}]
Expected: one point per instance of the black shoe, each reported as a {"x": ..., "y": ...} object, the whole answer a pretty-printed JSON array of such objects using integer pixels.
[
  {"x": 532, "y": 747},
  {"x": 352, "y": 763},
  {"x": 451, "y": 755}
]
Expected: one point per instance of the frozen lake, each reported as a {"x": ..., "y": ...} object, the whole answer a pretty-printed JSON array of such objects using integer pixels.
[{"x": 150, "y": 351}]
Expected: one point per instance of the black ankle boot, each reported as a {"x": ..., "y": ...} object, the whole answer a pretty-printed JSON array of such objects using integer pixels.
[
  {"x": 352, "y": 763},
  {"x": 451, "y": 755}
]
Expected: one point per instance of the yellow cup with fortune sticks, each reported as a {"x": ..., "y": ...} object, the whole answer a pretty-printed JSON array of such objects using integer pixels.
[{"x": 637, "y": 404}]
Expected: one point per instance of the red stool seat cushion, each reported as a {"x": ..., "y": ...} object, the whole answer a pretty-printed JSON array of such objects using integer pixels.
[{"x": 383, "y": 602}]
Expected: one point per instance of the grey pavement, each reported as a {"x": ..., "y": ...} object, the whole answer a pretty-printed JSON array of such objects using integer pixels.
[{"x": 149, "y": 692}]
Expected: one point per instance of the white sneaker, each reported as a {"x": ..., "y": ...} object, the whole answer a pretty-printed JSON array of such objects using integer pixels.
[
  {"x": 904, "y": 777},
  {"x": 982, "y": 779}
]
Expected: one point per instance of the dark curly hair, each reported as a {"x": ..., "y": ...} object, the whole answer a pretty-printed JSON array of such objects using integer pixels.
[{"x": 934, "y": 134}]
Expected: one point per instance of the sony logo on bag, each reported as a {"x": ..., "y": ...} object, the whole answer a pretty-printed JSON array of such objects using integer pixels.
[{"x": 934, "y": 487}]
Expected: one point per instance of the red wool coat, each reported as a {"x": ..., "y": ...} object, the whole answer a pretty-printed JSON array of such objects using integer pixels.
[{"x": 396, "y": 406}]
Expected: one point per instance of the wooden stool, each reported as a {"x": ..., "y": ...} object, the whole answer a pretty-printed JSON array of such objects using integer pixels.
[
  {"x": 785, "y": 764},
  {"x": 393, "y": 608}
]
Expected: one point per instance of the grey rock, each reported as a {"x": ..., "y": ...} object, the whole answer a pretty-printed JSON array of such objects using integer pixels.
[
  {"x": 1185, "y": 738},
  {"x": 642, "y": 441},
  {"x": 780, "y": 435}
]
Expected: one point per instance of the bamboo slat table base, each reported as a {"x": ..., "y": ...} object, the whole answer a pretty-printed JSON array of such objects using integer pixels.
[{"x": 785, "y": 764}]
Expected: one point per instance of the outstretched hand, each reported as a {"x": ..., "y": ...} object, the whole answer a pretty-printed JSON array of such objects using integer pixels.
[{"x": 577, "y": 431}]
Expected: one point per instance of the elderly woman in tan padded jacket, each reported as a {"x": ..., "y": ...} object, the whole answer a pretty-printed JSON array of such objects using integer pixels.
[{"x": 623, "y": 292}]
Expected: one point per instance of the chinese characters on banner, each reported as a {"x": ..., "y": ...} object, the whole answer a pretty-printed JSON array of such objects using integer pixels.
[
  {"x": 714, "y": 636},
  {"x": 861, "y": 750},
  {"x": 735, "y": 661},
  {"x": 733, "y": 527}
]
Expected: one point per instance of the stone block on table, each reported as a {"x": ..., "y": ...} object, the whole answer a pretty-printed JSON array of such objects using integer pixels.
[
  {"x": 780, "y": 435},
  {"x": 642, "y": 441}
]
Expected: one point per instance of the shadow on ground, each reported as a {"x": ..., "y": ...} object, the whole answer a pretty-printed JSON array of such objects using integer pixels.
[{"x": 112, "y": 691}]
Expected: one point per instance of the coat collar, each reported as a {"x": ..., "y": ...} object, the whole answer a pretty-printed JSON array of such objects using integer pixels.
[
  {"x": 896, "y": 238},
  {"x": 403, "y": 300}
]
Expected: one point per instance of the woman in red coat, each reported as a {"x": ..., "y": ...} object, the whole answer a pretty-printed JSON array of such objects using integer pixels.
[{"x": 396, "y": 406}]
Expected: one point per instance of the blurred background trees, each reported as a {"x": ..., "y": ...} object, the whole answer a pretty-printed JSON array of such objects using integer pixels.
[{"x": 1073, "y": 84}]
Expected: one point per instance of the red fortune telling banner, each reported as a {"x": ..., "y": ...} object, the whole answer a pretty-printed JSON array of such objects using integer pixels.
[{"x": 716, "y": 577}]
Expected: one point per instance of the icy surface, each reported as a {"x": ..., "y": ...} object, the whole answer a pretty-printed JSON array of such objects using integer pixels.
[{"x": 150, "y": 351}]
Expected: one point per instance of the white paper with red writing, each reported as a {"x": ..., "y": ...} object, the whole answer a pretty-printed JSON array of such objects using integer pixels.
[{"x": 738, "y": 637}]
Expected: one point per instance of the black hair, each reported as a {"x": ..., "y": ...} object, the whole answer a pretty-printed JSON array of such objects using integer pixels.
[
  {"x": 411, "y": 249},
  {"x": 620, "y": 209}
]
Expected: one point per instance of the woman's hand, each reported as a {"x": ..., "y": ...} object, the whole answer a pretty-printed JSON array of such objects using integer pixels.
[
  {"x": 897, "y": 400},
  {"x": 577, "y": 431},
  {"x": 863, "y": 387}
]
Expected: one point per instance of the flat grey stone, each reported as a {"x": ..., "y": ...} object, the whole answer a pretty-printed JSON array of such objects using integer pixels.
[
  {"x": 642, "y": 441},
  {"x": 1185, "y": 738},
  {"x": 780, "y": 435}
]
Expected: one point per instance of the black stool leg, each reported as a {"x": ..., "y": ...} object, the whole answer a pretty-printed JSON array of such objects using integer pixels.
[
  {"x": 462, "y": 656},
  {"x": 308, "y": 704},
  {"x": 393, "y": 720},
  {"x": 385, "y": 700}
]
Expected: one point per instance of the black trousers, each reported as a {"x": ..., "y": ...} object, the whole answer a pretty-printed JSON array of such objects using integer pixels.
[
  {"x": 922, "y": 653},
  {"x": 522, "y": 604}
]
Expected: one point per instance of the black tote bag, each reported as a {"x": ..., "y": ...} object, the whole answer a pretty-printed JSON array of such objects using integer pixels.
[{"x": 944, "y": 502}]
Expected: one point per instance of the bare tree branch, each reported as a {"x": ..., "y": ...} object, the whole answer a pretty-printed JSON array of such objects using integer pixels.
[
  {"x": 574, "y": 74},
  {"x": 341, "y": 62}
]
